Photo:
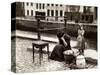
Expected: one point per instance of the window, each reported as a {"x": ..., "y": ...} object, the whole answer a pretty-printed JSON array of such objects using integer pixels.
[
  {"x": 56, "y": 4},
  {"x": 82, "y": 17},
  {"x": 40, "y": 6},
  {"x": 36, "y": 5},
  {"x": 31, "y": 12},
  {"x": 31, "y": 4},
  {"x": 48, "y": 12},
  {"x": 71, "y": 17},
  {"x": 56, "y": 13},
  {"x": 27, "y": 3},
  {"x": 48, "y": 4},
  {"x": 86, "y": 18},
  {"x": 43, "y": 6},
  {"x": 61, "y": 13},
  {"x": 61, "y": 5},
  {"x": 27, "y": 12},
  {"x": 52, "y": 4},
  {"x": 52, "y": 12}
]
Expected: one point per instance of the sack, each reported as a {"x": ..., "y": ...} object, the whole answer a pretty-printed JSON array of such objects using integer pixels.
[{"x": 80, "y": 61}]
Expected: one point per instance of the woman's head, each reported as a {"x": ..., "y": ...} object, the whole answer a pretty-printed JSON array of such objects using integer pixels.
[
  {"x": 60, "y": 33},
  {"x": 80, "y": 26}
]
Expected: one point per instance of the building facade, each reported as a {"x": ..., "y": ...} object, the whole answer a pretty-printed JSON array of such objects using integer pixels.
[
  {"x": 57, "y": 12},
  {"x": 52, "y": 12}
]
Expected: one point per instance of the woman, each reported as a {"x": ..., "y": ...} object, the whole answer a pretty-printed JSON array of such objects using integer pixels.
[
  {"x": 64, "y": 44},
  {"x": 80, "y": 39}
]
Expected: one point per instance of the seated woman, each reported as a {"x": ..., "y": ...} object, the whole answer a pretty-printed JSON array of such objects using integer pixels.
[{"x": 64, "y": 44}]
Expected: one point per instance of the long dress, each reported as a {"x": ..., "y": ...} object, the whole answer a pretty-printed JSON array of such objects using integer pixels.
[
  {"x": 57, "y": 53},
  {"x": 81, "y": 40}
]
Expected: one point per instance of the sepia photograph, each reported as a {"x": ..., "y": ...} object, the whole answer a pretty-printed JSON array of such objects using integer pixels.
[{"x": 53, "y": 37}]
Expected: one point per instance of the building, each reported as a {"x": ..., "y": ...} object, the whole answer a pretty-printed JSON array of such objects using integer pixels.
[
  {"x": 34, "y": 9},
  {"x": 52, "y": 12},
  {"x": 57, "y": 12},
  {"x": 89, "y": 14}
]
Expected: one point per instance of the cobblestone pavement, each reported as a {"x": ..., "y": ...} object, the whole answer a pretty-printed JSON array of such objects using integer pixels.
[{"x": 24, "y": 59}]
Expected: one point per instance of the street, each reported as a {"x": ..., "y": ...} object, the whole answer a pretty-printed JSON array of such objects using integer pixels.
[{"x": 24, "y": 53}]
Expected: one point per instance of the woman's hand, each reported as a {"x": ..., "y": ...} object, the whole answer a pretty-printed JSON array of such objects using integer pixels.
[{"x": 62, "y": 38}]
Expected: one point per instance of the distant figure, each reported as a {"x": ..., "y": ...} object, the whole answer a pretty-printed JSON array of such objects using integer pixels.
[
  {"x": 81, "y": 39},
  {"x": 64, "y": 44}
]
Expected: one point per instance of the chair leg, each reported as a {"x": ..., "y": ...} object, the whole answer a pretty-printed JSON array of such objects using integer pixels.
[
  {"x": 48, "y": 51},
  {"x": 40, "y": 55},
  {"x": 33, "y": 53}
]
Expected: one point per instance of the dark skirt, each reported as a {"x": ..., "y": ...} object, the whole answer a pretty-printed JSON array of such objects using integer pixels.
[{"x": 57, "y": 53}]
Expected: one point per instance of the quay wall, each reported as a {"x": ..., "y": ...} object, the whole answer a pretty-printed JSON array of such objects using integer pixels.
[{"x": 46, "y": 27}]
